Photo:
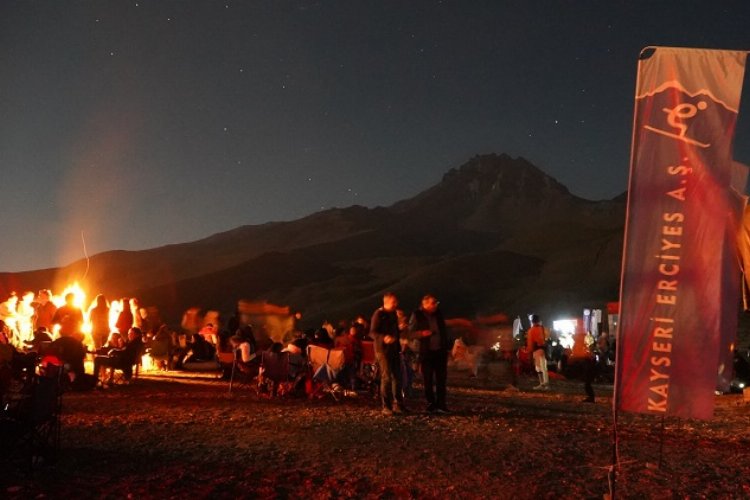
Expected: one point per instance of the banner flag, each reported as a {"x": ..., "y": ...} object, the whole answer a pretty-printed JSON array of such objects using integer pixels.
[
  {"x": 679, "y": 284},
  {"x": 732, "y": 276},
  {"x": 743, "y": 244}
]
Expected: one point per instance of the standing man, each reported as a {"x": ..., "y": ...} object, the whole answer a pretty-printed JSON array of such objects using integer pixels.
[
  {"x": 384, "y": 329},
  {"x": 582, "y": 363},
  {"x": 45, "y": 310},
  {"x": 70, "y": 319},
  {"x": 8, "y": 315},
  {"x": 428, "y": 325},
  {"x": 536, "y": 339}
]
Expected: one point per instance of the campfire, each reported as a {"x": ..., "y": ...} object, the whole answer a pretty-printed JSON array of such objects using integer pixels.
[{"x": 82, "y": 302}]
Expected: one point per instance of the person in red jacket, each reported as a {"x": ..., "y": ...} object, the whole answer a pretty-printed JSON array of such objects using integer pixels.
[{"x": 536, "y": 339}]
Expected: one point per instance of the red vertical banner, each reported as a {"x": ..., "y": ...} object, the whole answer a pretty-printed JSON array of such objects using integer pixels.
[{"x": 677, "y": 288}]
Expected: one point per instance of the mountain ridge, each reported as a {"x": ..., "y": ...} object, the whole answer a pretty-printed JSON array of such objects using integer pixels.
[{"x": 496, "y": 233}]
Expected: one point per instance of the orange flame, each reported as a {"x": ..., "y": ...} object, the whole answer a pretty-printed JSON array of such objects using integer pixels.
[{"x": 79, "y": 301}]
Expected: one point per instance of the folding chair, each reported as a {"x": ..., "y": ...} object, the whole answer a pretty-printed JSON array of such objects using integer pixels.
[
  {"x": 30, "y": 416},
  {"x": 243, "y": 373},
  {"x": 369, "y": 372},
  {"x": 325, "y": 364},
  {"x": 45, "y": 414},
  {"x": 120, "y": 374},
  {"x": 273, "y": 377}
]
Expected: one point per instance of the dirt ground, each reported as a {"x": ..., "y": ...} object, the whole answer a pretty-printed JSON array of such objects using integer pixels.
[{"x": 172, "y": 436}]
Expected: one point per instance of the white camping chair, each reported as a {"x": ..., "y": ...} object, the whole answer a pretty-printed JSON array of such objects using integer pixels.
[{"x": 325, "y": 365}]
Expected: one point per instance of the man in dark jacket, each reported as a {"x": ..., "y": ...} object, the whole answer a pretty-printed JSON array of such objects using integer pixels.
[
  {"x": 70, "y": 318},
  {"x": 428, "y": 325},
  {"x": 384, "y": 330}
]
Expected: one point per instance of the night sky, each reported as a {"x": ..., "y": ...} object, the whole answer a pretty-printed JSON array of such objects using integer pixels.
[{"x": 144, "y": 123}]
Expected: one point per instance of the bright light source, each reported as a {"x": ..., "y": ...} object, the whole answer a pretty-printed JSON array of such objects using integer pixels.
[
  {"x": 567, "y": 326},
  {"x": 565, "y": 329}
]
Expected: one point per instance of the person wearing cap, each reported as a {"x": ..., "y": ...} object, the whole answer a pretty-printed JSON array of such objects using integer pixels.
[
  {"x": 536, "y": 339},
  {"x": 428, "y": 326}
]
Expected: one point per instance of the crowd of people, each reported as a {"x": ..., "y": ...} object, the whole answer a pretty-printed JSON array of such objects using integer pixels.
[
  {"x": 119, "y": 333},
  {"x": 112, "y": 332}
]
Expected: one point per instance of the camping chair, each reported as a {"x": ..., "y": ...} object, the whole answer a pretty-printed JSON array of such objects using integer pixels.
[
  {"x": 158, "y": 354},
  {"x": 30, "y": 415},
  {"x": 369, "y": 372},
  {"x": 134, "y": 365},
  {"x": 242, "y": 373},
  {"x": 274, "y": 375},
  {"x": 325, "y": 364}
]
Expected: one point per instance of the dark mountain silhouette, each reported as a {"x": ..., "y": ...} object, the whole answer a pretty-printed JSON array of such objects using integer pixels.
[{"x": 496, "y": 234}]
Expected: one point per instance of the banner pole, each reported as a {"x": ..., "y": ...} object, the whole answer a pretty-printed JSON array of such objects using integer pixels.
[
  {"x": 661, "y": 443},
  {"x": 615, "y": 432},
  {"x": 618, "y": 343}
]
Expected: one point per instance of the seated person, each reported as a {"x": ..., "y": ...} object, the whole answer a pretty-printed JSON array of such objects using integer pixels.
[
  {"x": 244, "y": 350},
  {"x": 297, "y": 358},
  {"x": 246, "y": 332},
  {"x": 210, "y": 334},
  {"x": 72, "y": 352},
  {"x": 323, "y": 339},
  {"x": 351, "y": 344},
  {"x": 40, "y": 339},
  {"x": 122, "y": 358},
  {"x": 199, "y": 350},
  {"x": 160, "y": 347},
  {"x": 114, "y": 341},
  {"x": 246, "y": 358},
  {"x": 299, "y": 345},
  {"x": 180, "y": 347},
  {"x": 7, "y": 352},
  {"x": 200, "y": 356},
  {"x": 345, "y": 342}
]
